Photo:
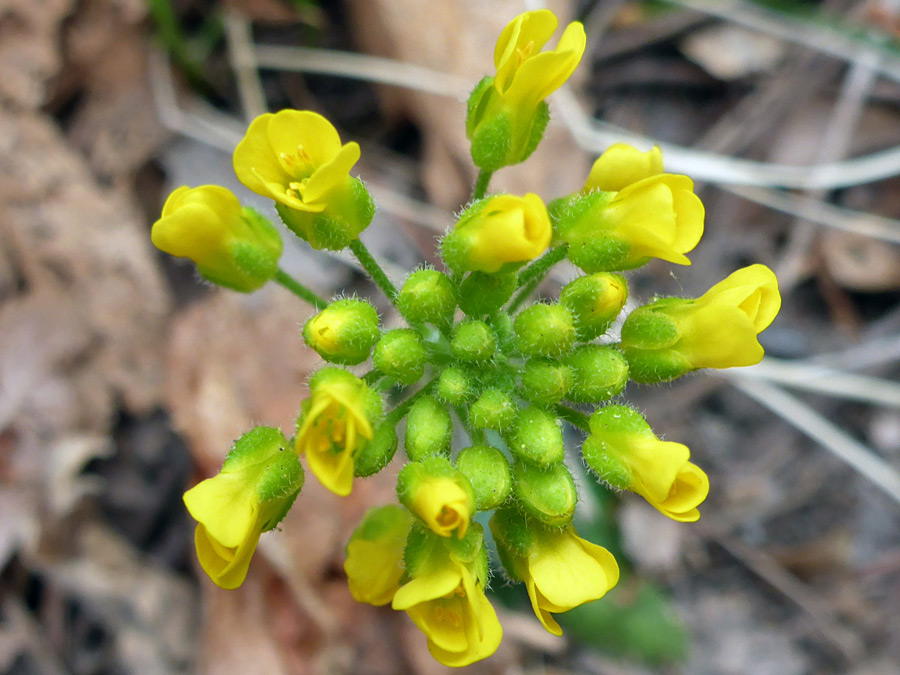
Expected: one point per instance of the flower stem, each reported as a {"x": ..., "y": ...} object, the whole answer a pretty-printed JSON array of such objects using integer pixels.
[
  {"x": 371, "y": 266},
  {"x": 298, "y": 289},
  {"x": 400, "y": 411},
  {"x": 534, "y": 274},
  {"x": 481, "y": 184},
  {"x": 574, "y": 417}
]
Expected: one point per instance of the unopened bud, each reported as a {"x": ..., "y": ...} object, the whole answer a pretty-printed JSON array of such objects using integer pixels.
[
  {"x": 473, "y": 341},
  {"x": 595, "y": 301},
  {"x": 454, "y": 386},
  {"x": 494, "y": 409},
  {"x": 537, "y": 437},
  {"x": 599, "y": 372},
  {"x": 545, "y": 382},
  {"x": 489, "y": 474},
  {"x": 544, "y": 330},
  {"x": 427, "y": 297},
  {"x": 547, "y": 494},
  {"x": 428, "y": 429},
  {"x": 344, "y": 332},
  {"x": 400, "y": 354}
]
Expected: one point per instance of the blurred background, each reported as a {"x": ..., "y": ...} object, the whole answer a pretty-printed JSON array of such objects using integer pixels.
[{"x": 123, "y": 380}]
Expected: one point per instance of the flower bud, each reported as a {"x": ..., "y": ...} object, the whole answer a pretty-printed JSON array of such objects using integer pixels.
[
  {"x": 673, "y": 336},
  {"x": 599, "y": 372},
  {"x": 438, "y": 494},
  {"x": 545, "y": 382},
  {"x": 454, "y": 386},
  {"x": 296, "y": 158},
  {"x": 498, "y": 234},
  {"x": 232, "y": 246},
  {"x": 378, "y": 452},
  {"x": 428, "y": 429},
  {"x": 374, "y": 563},
  {"x": 494, "y": 409},
  {"x": 344, "y": 332},
  {"x": 547, "y": 494},
  {"x": 473, "y": 341},
  {"x": 427, "y": 296},
  {"x": 482, "y": 293},
  {"x": 400, "y": 354},
  {"x": 657, "y": 217},
  {"x": 595, "y": 301},
  {"x": 537, "y": 437},
  {"x": 489, "y": 474},
  {"x": 624, "y": 451},
  {"x": 255, "y": 489},
  {"x": 544, "y": 330}
]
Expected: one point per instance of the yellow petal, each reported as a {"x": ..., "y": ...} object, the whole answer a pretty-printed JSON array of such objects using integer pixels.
[
  {"x": 334, "y": 470},
  {"x": 621, "y": 165},
  {"x": 718, "y": 336},
  {"x": 226, "y": 567},
  {"x": 533, "y": 28},
  {"x": 255, "y": 161},
  {"x": 373, "y": 571},
  {"x": 291, "y": 130},
  {"x": 654, "y": 464},
  {"x": 570, "y": 571},
  {"x": 436, "y": 583},
  {"x": 194, "y": 231},
  {"x": 541, "y": 605},
  {"x": 753, "y": 289},
  {"x": 478, "y": 647},
  {"x": 330, "y": 175},
  {"x": 689, "y": 491},
  {"x": 226, "y": 506},
  {"x": 542, "y": 74},
  {"x": 443, "y": 505}
]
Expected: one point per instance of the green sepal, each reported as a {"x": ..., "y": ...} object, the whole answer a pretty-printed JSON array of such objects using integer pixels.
[
  {"x": 494, "y": 409},
  {"x": 537, "y": 437},
  {"x": 383, "y": 521},
  {"x": 547, "y": 494},
  {"x": 599, "y": 372},
  {"x": 646, "y": 329},
  {"x": 349, "y": 212},
  {"x": 376, "y": 453},
  {"x": 429, "y": 429},
  {"x": 544, "y": 330},
  {"x": 473, "y": 341},
  {"x": 489, "y": 474},
  {"x": 400, "y": 354},
  {"x": 427, "y": 296}
]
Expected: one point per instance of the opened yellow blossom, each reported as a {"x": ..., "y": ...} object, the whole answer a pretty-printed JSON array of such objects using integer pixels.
[
  {"x": 717, "y": 330},
  {"x": 374, "y": 563},
  {"x": 507, "y": 113},
  {"x": 445, "y": 598},
  {"x": 250, "y": 495},
  {"x": 334, "y": 425},
  {"x": 625, "y": 452},
  {"x": 232, "y": 246},
  {"x": 438, "y": 494},
  {"x": 560, "y": 569},
  {"x": 621, "y": 165},
  {"x": 497, "y": 233},
  {"x": 656, "y": 217},
  {"x": 296, "y": 158}
]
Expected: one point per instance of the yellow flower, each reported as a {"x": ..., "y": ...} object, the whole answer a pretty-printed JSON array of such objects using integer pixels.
[
  {"x": 717, "y": 330},
  {"x": 231, "y": 246},
  {"x": 334, "y": 425},
  {"x": 374, "y": 563},
  {"x": 250, "y": 495},
  {"x": 438, "y": 494},
  {"x": 499, "y": 231},
  {"x": 525, "y": 75},
  {"x": 656, "y": 217},
  {"x": 445, "y": 599},
  {"x": 620, "y": 166},
  {"x": 560, "y": 569},
  {"x": 507, "y": 114},
  {"x": 296, "y": 158},
  {"x": 624, "y": 451}
]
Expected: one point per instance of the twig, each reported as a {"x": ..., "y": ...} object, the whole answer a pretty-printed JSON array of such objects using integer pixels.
[
  {"x": 842, "y": 445},
  {"x": 243, "y": 63}
]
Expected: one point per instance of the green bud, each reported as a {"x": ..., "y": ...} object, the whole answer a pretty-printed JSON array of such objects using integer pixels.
[
  {"x": 400, "y": 354},
  {"x": 547, "y": 494},
  {"x": 378, "y": 452},
  {"x": 350, "y": 210},
  {"x": 483, "y": 293},
  {"x": 489, "y": 474},
  {"x": 595, "y": 301},
  {"x": 473, "y": 341},
  {"x": 428, "y": 429},
  {"x": 545, "y": 382},
  {"x": 454, "y": 386},
  {"x": 494, "y": 409},
  {"x": 544, "y": 330},
  {"x": 538, "y": 437},
  {"x": 599, "y": 372},
  {"x": 344, "y": 332},
  {"x": 427, "y": 296}
]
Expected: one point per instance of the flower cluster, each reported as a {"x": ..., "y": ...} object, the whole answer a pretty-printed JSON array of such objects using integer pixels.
[{"x": 475, "y": 353}]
